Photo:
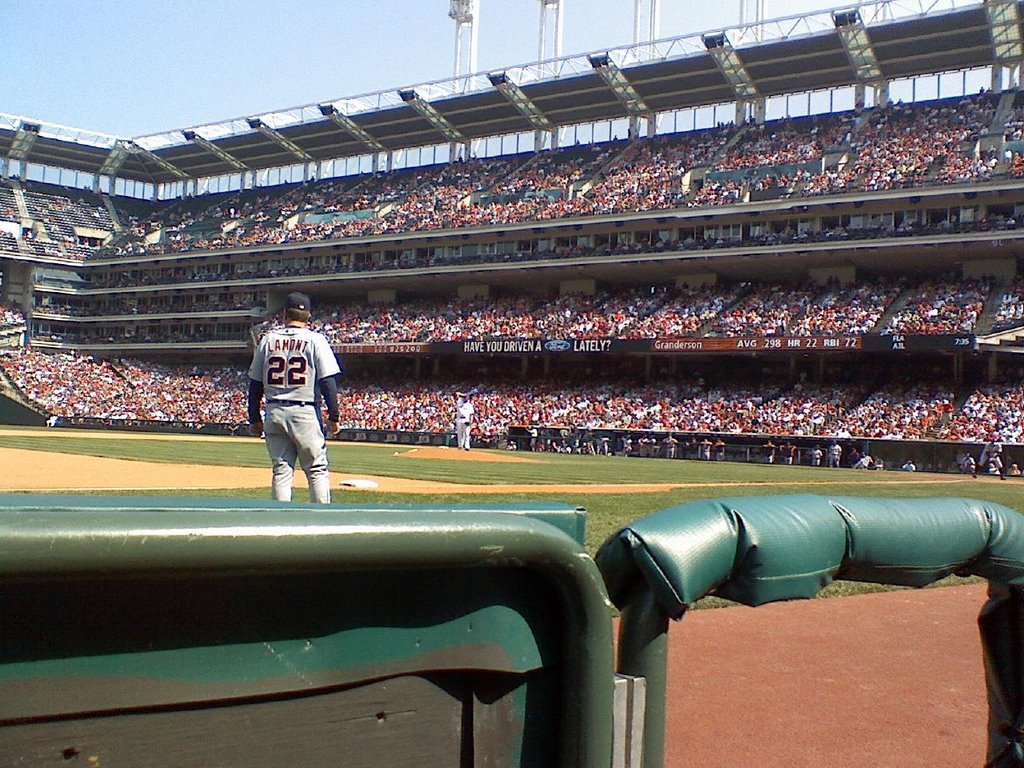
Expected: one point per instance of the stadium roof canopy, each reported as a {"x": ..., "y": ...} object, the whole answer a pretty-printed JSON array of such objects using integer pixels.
[{"x": 789, "y": 55}]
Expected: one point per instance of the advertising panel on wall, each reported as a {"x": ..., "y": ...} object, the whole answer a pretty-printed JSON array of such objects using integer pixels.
[{"x": 672, "y": 346}]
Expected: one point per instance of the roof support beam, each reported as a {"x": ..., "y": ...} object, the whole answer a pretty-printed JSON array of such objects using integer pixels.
[
  {"x": 117, "y": 156},
  {"x": 619, "y": 84},
  {"x": 854, "y": 35},
  {"x": 432, "y": 116},
  {"x": 24, "y": 138},
  {"x": 354, "y": 129},
  {"x": 281, "y": 140},
  {"x": 520, "y": 101},
  {"x": 1004, "y": 21},
  {"x": 135, "y": 149},
  {"x": 213, "y": 149},
  {"x": 731, "y": 66}
]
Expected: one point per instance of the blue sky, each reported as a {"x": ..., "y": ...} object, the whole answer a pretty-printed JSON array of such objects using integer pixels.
[{"x": 134, "y": 67}]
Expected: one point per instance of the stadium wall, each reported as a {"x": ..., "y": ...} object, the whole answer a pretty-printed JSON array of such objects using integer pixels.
[
  {"x": 927, "y": 455},
  {"x": 12, "y": 412}
]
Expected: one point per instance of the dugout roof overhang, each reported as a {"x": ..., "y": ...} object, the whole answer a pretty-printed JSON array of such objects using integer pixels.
[{"x": 783, "y": 56}]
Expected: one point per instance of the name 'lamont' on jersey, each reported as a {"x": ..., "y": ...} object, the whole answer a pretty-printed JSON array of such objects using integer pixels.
[{"x": 280, "y": 344}]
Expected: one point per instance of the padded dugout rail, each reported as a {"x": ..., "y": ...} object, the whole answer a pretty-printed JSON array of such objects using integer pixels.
[
  {"x": 195, "y": 632},
  {"x": 756, "y": 550}
]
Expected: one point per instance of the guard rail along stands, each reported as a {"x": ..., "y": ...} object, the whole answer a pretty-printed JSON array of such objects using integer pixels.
[{"x": 173, "y": 631}]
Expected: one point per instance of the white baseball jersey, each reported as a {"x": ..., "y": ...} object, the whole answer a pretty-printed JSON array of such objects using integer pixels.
[{"x": 290, "y": 360}]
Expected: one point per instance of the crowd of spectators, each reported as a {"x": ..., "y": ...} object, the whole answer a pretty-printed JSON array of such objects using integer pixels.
[
  {"x": 258, "y": 266},
  {"x": 942, "y": 306},
  {"x": 176, "y": 305},
  {"x": 1010, "y": 312},
  {"x": 645, "y": 312},
  {"x": 11, "y": 316},
  {"x": 558, "y": 171},
  {"x": 960, "y": 169},
  {"x": 712, "y": 192},
  {"x": 789, "y": 142},
  {"x": 845, "y": 310},
  {"x": 194, "y": 332},
  {"x": 1013, "y": 123},
  {"x": 650, "y": 174},
  {"x": 65, "y": 227},
  {"x": 1016, "y": 169},
  {"x": 764, "y": 311},
  {"x": 8, "y": 205},
  {"x": 76, "y": 386},
  {"x": 8, "y": 242},
  {"x": 901, "y": 144},
  {"x": 805, "y": 409},
  {"x": 893, "y": 146},
  {"x": 730, "y": 310},
  {"x": 605, "y": 315},
  {"x": 830, "y": 181},
  {"x": 60, "y": 227},
  {"x": 71, "y": 385},
  {"x": 906, "y": 413},
  {"x": 899, "y": 412},
  {"x": 890, "y": 146},
  {"x": 1013, "y": 131},
  {"x": 994, "y": 409},
  {"x": 684, "y": 311}
]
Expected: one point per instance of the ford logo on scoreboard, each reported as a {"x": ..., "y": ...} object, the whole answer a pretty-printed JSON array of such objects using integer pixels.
[{"x": 557, "y": 345}]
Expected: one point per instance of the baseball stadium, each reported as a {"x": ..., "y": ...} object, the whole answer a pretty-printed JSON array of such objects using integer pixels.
[{"x": 741, "y": 319}]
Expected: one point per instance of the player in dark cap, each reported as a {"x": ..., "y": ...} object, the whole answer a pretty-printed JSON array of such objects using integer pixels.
[{"x": 297, "y": 371}]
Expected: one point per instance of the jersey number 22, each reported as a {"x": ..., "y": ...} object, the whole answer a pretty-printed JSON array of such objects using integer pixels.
[{"x": 290, "y": 372}]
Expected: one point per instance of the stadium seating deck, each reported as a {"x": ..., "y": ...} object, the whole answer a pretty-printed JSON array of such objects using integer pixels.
[
  {"x": 893, "y": 146},
  {"x": 70, "y": 385}
]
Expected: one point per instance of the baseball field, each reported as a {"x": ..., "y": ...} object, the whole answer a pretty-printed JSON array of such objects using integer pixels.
[{"x": 878, "y": 677}]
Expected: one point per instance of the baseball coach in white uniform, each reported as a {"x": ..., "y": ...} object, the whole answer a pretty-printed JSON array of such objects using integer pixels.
[{"x": 464, "y": 411}]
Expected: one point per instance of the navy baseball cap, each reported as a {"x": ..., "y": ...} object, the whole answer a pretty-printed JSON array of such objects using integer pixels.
[{"x": 297, "y": 301}]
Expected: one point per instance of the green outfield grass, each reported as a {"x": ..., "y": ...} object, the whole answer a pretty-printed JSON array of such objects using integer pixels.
[{"x": 606, "y": 512}]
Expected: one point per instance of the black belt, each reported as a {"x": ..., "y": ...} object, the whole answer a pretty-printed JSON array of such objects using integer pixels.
[{"x": 290, "y": 402}]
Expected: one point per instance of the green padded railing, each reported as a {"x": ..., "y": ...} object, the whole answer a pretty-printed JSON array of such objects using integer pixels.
[{"x": 755, "y": 550}]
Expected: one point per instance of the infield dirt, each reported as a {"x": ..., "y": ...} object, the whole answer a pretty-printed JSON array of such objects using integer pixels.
[{"x": 31, "y": 470}]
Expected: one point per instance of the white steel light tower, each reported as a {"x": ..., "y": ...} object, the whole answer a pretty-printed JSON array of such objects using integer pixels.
[
  {"x": 465, "y": 13},
  {"x": 752, "y": 13},
  {"x": 649, "y": 11},
  {"x": 550, "y": 39}
]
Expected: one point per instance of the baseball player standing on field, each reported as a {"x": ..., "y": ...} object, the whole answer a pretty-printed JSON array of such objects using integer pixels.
[
  {"x": 295, "y": 367},
  {"x": 464, "y": 411}
]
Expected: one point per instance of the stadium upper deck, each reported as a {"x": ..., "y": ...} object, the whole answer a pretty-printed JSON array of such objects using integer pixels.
[
  {"x": 955, "y": 141},
  {"x": 821, "y": 194},
  {"x": 876, "y": 43}
]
